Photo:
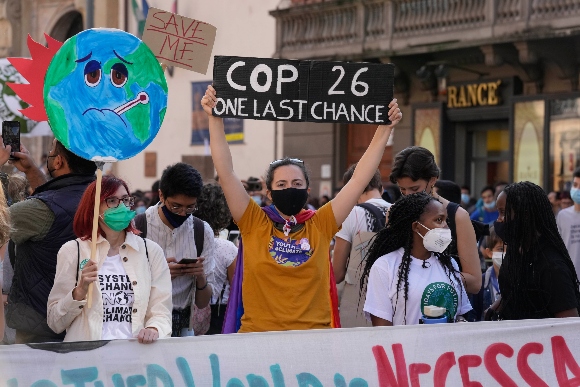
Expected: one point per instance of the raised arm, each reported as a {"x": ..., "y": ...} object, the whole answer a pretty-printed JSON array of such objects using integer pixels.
[
  {"x": 466, "y": 249},
  {"x": 236, "y": 195},
  {"x": 346, "y": 199}
]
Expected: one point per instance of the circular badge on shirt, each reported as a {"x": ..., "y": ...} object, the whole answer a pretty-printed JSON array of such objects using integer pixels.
[{"x": 443, "y": 295}]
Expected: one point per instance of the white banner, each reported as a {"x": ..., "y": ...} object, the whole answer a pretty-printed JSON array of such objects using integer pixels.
[{"x": 509, "y": 353}]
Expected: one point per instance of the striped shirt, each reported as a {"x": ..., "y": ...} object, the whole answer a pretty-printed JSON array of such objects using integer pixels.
[{"x": 180, "y": 243}]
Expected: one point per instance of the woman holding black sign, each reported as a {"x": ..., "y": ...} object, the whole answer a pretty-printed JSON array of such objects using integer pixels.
[{"x": 287, "y": 279}]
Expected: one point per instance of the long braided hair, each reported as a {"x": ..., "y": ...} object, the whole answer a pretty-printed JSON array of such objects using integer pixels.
[
  {"x": 399, "y": 233},
  {"x": 530, "y": 226}
]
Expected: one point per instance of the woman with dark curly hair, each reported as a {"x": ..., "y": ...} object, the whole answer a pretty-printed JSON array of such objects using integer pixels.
[
  {"x": 212, "y": 207},
  {"x": 537, "y": 277},
  {"x": 407, "y": 269}
]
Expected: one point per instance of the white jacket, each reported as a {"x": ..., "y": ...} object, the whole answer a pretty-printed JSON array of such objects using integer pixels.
[{"x": 151, "y": 285}]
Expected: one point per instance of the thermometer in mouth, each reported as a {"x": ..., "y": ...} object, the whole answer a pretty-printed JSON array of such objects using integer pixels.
[{"x": 142, "y": 98}]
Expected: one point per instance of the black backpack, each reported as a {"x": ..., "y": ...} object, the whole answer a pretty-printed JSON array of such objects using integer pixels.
[
  {"x": 198, "y": 230},
  {"x": 377, "y": 213}
]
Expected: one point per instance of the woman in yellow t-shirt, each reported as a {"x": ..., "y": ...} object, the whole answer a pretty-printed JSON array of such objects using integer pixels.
[{"x": 284, "y": 279}]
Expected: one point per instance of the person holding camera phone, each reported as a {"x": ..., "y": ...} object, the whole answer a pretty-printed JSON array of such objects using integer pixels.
[
  {"x": 40, "y": 226},
  {"x": 182, "y": 236},
  {"x": 287, "y": 280}
]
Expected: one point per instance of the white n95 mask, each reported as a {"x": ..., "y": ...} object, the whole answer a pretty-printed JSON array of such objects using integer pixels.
[
  {"x": 437, "y": 239},
  {"x": 497, "y": 258}
]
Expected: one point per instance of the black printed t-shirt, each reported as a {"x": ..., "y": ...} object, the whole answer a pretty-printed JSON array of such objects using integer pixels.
[{"x": 118, "y": 298}]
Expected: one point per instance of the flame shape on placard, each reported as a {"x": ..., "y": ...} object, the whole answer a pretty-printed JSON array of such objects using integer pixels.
[{"x": 34, "y": 71}]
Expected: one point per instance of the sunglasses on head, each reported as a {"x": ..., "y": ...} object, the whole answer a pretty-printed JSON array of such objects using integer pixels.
[{"x": 279, "y": 161}]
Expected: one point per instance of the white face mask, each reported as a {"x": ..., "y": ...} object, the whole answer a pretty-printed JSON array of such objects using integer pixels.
[
  {"x": 497, "y": 258},
  {"x": 437, "y": 239}
]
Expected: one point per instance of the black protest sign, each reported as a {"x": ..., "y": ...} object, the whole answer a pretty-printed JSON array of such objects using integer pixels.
[{"x": 292, "y": 90}]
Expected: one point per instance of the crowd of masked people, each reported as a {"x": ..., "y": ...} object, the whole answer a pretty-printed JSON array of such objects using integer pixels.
[{"x": 160, "y": 264}]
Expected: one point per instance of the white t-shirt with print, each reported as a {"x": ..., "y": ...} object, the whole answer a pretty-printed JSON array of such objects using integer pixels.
[
  {"x": 360, "y": 220},
  {"x": 225, "y": 253},
  {"x": 568, "y": 221},
  {"x": 118, "y": 297},
  {"x": 427, "y": 286}
]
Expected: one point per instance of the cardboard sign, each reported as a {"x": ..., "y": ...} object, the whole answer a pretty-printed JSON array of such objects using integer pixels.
[
  {"x": 291, "y": 90},
  {"x": 179, "y": 41},
  {"x": 507, "y": 353}
]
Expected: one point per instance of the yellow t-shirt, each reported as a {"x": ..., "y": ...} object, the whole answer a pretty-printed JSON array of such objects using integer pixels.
[{"x": 286, "y": 282}]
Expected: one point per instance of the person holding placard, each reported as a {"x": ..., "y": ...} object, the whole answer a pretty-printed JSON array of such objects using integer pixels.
[
  {"x": 407, "y": 268},
  {"x": 132, "y": 296},
  {"x": 287, "y": 278}
]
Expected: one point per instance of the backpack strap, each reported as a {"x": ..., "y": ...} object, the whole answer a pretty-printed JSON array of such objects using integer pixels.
[
  {"x": 198, "y": 234},
  {"x": 78, "y": 262},
  {"x": 141, "y": 225},
  {"x": 376, "y": 213},
  {"x": 146, "y": 250}
]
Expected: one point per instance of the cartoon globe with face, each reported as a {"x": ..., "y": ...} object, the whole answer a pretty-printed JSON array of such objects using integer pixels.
[{"x": 105, "y": 95}]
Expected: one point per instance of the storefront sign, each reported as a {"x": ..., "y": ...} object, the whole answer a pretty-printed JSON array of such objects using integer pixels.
[
  {"x": 313, "y": 91},
  {"x": 474, "y": 94},
  {"x": 507, "y": 353}
]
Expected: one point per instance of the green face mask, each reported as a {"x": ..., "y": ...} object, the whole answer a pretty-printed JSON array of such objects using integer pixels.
[{"x": 118, "y": 219}]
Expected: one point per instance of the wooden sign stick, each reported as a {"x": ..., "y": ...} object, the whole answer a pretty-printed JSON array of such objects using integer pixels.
[{"x": 95, "y": 234}]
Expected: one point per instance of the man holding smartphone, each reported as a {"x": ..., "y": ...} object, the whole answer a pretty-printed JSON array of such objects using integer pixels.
[
  {"x": 41, "y": 225},
  {"x": 169, "y": 223}
]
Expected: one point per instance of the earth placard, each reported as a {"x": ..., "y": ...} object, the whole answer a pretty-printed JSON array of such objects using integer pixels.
[{"x": 105, "y": 95}]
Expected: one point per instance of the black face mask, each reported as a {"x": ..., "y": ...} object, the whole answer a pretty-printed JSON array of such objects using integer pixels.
[
  {"x": 290, "y": 200},
  {"x": 174, "y": 219},
  {"x": 499, "y": 228}
]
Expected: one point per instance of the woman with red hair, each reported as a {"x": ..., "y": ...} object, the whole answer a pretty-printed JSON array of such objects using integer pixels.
[{"x": 132, "y": 291}]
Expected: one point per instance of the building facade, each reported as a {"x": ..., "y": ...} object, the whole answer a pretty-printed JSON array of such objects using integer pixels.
[{"x": 489, "y": 86}]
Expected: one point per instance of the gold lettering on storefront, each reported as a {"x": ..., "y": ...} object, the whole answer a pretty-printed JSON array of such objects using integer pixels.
[{"x": 473, "y": 95}]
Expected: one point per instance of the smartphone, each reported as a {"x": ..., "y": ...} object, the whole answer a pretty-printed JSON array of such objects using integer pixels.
[
  {"x": 233, "y": 236},
  {"x": 11, "y": 135},
  {"x": 188, "y": 260}
]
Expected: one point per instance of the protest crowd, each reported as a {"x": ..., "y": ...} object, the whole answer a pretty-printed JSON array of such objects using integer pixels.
[{"x": 255, "y": 255}]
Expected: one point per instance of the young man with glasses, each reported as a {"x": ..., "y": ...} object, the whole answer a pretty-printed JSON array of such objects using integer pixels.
[{"x": 170, "y": 224}]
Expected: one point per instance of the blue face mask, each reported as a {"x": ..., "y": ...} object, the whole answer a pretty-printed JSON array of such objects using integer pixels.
[
  {"x": 575, "y": 195},
  {"x": 465, "y": 198},
  {"x": 140, "y": 209},
  {"x": 257, "y": 199},
  {"x": 490, "y": 205}
]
